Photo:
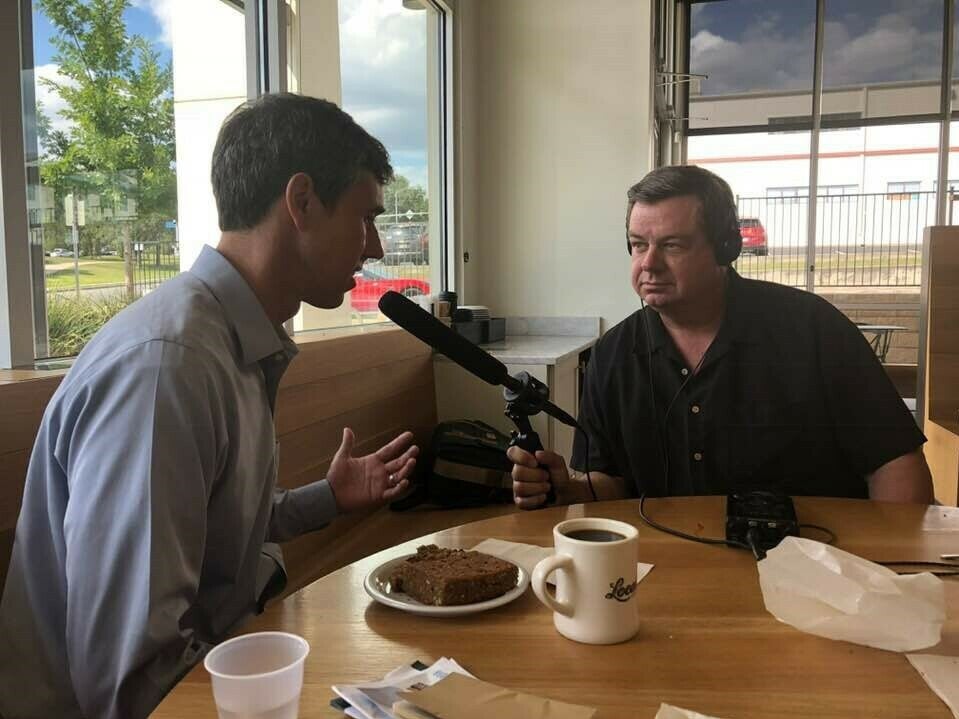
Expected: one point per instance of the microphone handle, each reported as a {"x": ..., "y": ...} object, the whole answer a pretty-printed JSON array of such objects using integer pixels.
[{"x": 530, "y": 442}]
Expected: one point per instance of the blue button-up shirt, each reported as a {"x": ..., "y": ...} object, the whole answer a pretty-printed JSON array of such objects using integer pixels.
[{"x": 150, "y": 503}]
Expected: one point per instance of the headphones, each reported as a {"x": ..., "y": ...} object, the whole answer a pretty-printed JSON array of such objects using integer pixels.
[{"x": 727, "y": 241}]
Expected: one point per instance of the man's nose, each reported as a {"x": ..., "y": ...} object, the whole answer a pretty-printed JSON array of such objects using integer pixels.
[
  {"x": 374, "y": 248},
  {"x": 651, "y": 259}
]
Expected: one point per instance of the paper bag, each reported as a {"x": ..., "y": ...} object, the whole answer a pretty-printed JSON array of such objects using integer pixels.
[
  {"x": 461, "y": 697},
  {"x": 834, "y": 594}
]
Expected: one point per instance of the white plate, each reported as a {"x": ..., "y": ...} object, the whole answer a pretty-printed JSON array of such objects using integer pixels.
[{"x": 377, "y": 585}]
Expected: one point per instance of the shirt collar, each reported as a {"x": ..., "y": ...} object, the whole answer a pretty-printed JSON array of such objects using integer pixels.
[
  {"x": 736, "y": 327},
  {"x": 256, "y": 335}
]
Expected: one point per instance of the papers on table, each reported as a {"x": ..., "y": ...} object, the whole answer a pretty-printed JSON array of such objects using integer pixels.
[
  {"x": 445, "y": 690},
  {"x": 375, "y": 699}
]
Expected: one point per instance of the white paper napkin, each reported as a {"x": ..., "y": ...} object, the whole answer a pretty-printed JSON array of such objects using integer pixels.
[
  {"x": 941, "y": 674},
  {"x": 825, "y": 591},
  {"x": 529, "y": 555},
  {"x": 668, "y": 711}
]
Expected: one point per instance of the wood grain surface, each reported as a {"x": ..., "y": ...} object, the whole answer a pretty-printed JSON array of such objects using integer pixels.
[{"x": 706, "y": 641}]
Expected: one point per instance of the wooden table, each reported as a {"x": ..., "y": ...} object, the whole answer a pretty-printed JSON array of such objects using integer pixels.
[{"x": 706, "y": 642}]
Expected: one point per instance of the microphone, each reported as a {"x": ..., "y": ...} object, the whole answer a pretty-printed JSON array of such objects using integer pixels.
[{"x": 424, "y": 326}]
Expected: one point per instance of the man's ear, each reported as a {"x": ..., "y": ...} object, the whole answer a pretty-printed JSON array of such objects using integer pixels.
[{"x": 301, "y": 200}]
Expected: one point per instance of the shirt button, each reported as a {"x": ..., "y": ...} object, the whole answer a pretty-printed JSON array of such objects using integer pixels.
[
  {"x": 684, "y": 371},
  {"x": 698, "y": 456},
  {"x": 694, "y": 409}
]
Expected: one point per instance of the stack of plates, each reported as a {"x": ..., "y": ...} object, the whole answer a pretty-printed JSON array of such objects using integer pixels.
[{"x": 471, "y": 313}]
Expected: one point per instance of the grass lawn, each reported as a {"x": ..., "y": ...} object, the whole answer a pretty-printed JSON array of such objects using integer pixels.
[{"x": 93, "y": 271}]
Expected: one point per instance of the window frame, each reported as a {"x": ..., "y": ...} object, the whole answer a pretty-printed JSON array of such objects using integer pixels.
[
  {"x": 17, "y": 306},
  {"x": 23, "y": 329}
]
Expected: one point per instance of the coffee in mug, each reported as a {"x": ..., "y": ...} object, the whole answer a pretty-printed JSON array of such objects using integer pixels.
[
  {"x": 595, "y": 535},
  {"x": 595, "y": 575}
]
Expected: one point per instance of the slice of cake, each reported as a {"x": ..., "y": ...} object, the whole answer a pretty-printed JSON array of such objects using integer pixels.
[{"x": 447, "y": 577}]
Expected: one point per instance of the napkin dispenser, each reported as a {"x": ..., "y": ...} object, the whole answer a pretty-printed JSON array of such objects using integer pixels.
[{"x": 481, "y": 331}]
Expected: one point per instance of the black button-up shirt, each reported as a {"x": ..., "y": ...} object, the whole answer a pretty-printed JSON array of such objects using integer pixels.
[{"x": 789, "y": 397}]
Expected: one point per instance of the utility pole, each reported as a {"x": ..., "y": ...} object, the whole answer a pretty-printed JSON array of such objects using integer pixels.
[{"x": 73, "y": 207}]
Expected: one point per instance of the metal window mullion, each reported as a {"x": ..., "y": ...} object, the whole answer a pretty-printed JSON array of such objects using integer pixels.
[
  {"x": 276, "y": 56},
  {"x": 265, "y": 47},
  {"x": 814, "y": 148},
  {"x": 16, "y": 301},
  {"x": 942, "y": 192},
  {"x": 945, "y": 110},
  {"x": 682, "y": 22},
  {"x": 448, "y": 255},
  {"x": 444, "y": 94},
  {"x": 253, "y": 51}
]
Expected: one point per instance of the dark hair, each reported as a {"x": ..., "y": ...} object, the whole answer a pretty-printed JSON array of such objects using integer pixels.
[
  {"x": 717, "y": 215},
  {"x": 263, "y": 143}
]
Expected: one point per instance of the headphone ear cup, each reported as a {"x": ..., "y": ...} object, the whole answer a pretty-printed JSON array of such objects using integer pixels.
[{"x": 731, "y": 245}]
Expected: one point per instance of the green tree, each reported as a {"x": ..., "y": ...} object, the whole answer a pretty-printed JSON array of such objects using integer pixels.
[
  {"x": 400, "y": 197},
  {"x": 120, "y": 142}
]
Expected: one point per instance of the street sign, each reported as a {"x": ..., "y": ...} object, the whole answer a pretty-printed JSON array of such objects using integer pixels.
[{"x": 68, "y": 211}]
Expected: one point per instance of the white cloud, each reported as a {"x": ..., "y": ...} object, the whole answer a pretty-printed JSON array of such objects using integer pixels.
[
  {"x": 892, "y": 49},
  {"x": 162, "y": 10},
  {"x": 704, "y": 41},
  {"x": 48, "y": 98},
  {"x": 383, "y": 69},
  {"x": 773, "y": 56}
]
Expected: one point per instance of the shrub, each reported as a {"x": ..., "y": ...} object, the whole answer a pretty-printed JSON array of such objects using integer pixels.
[{"x": 71, "y": 322}]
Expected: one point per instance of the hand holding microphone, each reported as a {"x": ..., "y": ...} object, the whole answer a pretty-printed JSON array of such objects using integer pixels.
[
  {"x": 525, "y": 394},
  {"x": 535, "y": 475}
]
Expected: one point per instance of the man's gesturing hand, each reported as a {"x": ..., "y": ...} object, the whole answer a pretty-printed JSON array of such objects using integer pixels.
[{"x": 363, "y": 482}]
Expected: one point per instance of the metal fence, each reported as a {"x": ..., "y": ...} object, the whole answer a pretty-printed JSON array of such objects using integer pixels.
[
  {"x": 154, "y": 263},
  {"x": 862, "y": 240},
  {"x": 405, "y": 240}
]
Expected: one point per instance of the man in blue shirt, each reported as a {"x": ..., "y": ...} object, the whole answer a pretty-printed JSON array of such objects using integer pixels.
[{"x": 150, "y": 513}]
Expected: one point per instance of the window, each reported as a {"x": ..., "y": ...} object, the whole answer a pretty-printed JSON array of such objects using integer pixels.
[
  {"x": 832, "y": 190},
  {"x": 885, "y": 62},
  {"x": 752, "y": 119},
  {"x": 112, "y": 214},
  {"x": 903, "y": 190},
  {"x": 831, "y": 122},
  {"x": 118, "y": 201},
  {"x": 390, "y": 60},
  {"x": 758, "y": 57},
  {"x": 787, "y": 191}
]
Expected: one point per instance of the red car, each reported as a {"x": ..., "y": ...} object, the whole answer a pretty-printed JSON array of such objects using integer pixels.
[
  {"x": 372, "y": 283},
  {"x": 754, "y": 236}
]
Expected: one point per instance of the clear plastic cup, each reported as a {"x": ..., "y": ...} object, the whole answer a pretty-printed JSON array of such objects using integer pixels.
[{"x": 258, "y": 676}]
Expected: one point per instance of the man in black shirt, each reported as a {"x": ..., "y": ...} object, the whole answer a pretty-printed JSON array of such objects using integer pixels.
[{"x": 722, "y": 383}]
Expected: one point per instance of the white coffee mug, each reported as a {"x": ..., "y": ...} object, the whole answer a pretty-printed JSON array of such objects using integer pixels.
[{"x": 595, "y": 565}]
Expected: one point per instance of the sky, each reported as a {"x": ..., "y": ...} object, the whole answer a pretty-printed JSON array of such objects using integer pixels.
[
  {"x": 382, "y": 60},
  {"x": 746, "y": 45},
  {"x": 383, "y": 70},
  {"x": 149, "y": 18}
]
